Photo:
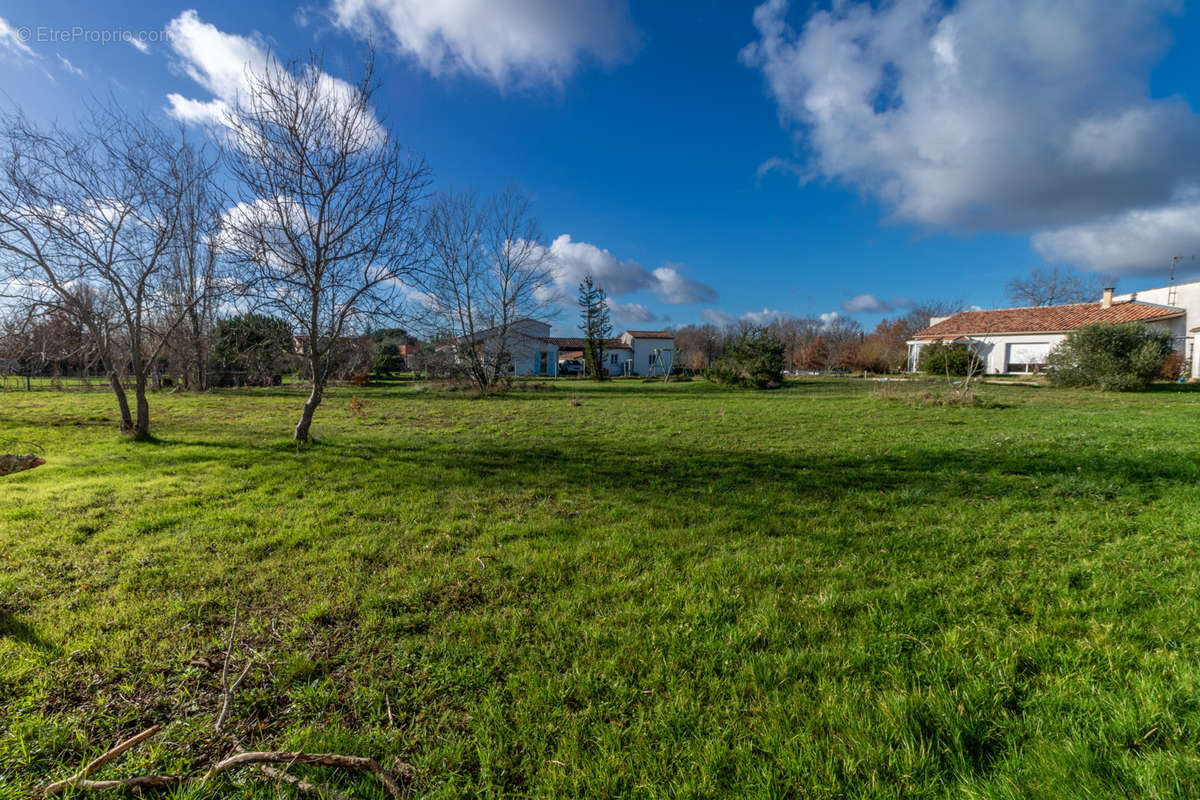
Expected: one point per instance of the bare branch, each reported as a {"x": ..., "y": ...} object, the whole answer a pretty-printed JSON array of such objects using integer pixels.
[{"x": 95, "y": 764}]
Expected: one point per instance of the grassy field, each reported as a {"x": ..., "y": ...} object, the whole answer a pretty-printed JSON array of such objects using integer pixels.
[{"x": 662, "y": 591}]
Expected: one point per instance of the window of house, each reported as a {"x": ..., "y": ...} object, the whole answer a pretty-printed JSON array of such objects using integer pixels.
[
  {"x": 544, "y": 361},
  {"x": 1027, "y": 357},
  {"x": 612, "y": 358}
]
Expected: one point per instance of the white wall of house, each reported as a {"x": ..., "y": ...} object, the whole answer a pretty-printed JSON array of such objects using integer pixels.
[
  {"x": 642, "y": 355},
  {"x": 1181, "y": 295},
  {"x": 616, "y": 359},
  {"x": 528, "y": 353},
  {"x": 532, "y": 356}
]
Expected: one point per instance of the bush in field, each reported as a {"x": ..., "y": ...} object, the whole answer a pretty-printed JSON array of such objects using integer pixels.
[
  {"x": 754, "y": 360},
  {"x": 955, "y": 359},
  {"x": 1174, "y": 367},
  {"x": 1122, "y": 358},
  {"x": 386, "y": 359},
  {"x": 257, "y": 344}
]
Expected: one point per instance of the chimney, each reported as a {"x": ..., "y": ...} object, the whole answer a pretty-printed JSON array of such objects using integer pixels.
[{"x": 1106, "y": 298}]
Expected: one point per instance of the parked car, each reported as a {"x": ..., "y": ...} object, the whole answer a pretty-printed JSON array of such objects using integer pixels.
[{"x": 571, "y": 367}]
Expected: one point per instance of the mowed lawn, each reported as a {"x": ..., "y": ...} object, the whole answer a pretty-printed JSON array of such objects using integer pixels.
[{"x": 662, "y": 591}]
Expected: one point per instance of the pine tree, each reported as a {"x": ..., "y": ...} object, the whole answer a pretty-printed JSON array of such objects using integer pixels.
[{"x": 596, "y": 324}]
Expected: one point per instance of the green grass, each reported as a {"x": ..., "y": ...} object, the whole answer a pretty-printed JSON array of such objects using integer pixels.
[{"x": 664, "y": 591}]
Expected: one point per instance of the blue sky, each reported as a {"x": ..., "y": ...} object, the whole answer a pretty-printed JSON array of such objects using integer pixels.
[{"x": 728, "y": 159}]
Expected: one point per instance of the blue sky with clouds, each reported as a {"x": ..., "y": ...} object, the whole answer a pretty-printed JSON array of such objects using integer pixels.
[{"x": 727, "y": 159}]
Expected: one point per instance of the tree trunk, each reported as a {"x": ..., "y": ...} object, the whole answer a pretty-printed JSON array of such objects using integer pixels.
[
  {"x": 306, "y": 416},
  {"x": 314, "y": 399},
  {"x": 141, "y": 428},
  {"x": 122, "y": 401}
]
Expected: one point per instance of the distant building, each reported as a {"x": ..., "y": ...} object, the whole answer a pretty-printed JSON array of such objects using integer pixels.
[
  {"x": 1019, "y": 340},
  {"x": 532, "y": 351}
]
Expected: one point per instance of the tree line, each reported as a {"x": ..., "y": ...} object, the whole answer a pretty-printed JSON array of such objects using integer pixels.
[{"x": 810, "y": 343}]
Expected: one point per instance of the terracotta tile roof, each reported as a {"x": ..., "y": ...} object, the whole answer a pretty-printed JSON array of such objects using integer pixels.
[
  {"x": 576, "y": 343},
  {"x": 1044, "y": 319},
  {"x": 652, "y": 334}
]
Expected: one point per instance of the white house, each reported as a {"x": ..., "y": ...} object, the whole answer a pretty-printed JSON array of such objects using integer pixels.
[
  {"x": 529, "y": 349},
  {"x": 532, "y": 351},
  {"x": 1018, "y": 340},
  {"x": 652, "y": 352},
  {"x": 631, "y": 353}
]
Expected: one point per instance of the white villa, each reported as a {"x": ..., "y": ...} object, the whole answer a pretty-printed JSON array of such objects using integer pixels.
[
  {"x": 1017, "y": 340},
  {"x": 533, "y": 351}
]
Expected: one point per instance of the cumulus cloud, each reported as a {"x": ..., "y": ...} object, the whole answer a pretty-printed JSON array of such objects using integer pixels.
[
  {"x": 673, "y": 287},
  {"x": 869, "y": 303},
  {"x": 224, "y": 64},
  {"x": 830, "y": 318},
  {"x": 569, "y": 262},
  {"x": 1136, "y": 240},
  {"x": 631, "y": 312},
  {"x": 984, "y": 114},
  {"x": 12, "y": 40},
  {"x": 503, "y": 41}
]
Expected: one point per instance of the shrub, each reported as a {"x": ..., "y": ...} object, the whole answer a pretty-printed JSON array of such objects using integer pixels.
[
  {"x": 956, "y": 359},
  {"x": 754, "y": 360},
  {"x": 1123, "y": 357},
  {"x": 1174, "y": 367},
  {"x": 258, "y": 345}
]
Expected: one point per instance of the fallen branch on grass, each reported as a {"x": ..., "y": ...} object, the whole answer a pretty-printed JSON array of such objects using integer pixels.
[
  {"x": 242, "y": 757},
  {"x": 96, "y": 764},
  {"x": 235, "y": 762}
]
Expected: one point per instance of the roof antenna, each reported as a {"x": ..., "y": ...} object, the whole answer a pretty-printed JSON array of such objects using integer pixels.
[{"x": 1172, "y": 289}]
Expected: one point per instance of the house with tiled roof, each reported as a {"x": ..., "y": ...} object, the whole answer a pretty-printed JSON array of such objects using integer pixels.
[{"x": 1019, "y": 340}]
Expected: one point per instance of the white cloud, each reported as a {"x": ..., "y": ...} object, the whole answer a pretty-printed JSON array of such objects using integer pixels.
[
  {"x": 984, "y": 114},
  {"x": 503, "y": 41},
  {"x": 866, "y": 302},
  {"x": 631, "y": 312},
  {"x": 673, "y": 287},
  {"x": 14, "y": 40},
  {"x": 69, "y": 67},
  {"x": 224, "y": 64},
  {"x": 869, "y": 303},
  {"x": 140, "y": 45},
  {"x": 715, "y": 316},
  {"x": 830, "y": 318},
  {"x": 569, "y": 262},
  {"x": 1140, "y": 240},
  {"x": 196, "y": 112},
  {"x": 765, "y": 317}
]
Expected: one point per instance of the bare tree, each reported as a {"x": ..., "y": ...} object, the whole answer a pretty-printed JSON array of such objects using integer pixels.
[
  {"x": 486, "y": 272},
  {"x": 88, "y": 223},
  {"x": 193, "y": 277},
  {"x": 919, "y": 316},
  {"x": 1054, "y": 286},
  {"x": 328, "y": 226}
]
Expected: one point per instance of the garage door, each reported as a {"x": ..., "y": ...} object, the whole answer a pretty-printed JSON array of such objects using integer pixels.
[{"x": 1027, "y": 356}]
